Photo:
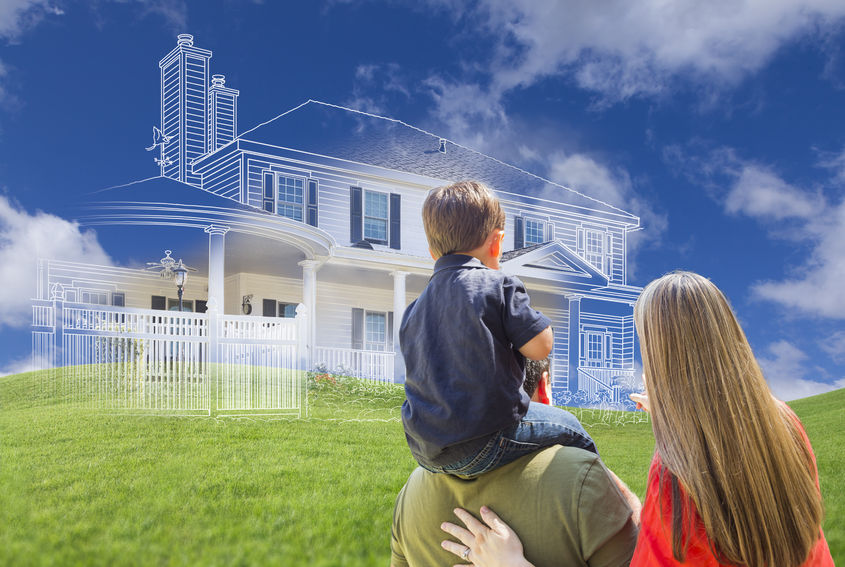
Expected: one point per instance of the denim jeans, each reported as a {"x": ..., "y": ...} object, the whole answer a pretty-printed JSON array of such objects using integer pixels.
[{"x": 542, "y": 426}]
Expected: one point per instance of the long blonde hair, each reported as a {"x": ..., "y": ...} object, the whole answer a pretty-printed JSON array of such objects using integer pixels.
[{"x": 736, "y": 451}]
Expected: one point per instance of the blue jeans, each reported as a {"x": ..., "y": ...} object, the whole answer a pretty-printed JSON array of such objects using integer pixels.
[{"x": 542, "y": 426}]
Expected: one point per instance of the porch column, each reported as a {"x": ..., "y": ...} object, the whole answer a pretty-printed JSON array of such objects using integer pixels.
[
  {"x": 309, "y": 298},
  {"x": 574, "y": 340},
  {"x": 216, "y": 272},
  {"x": 398, "y": 310}
]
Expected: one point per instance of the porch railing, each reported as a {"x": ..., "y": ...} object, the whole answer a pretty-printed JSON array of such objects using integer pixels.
[
  {"x": 367, "y": 364},
  {"x": 604, "y": 382}
]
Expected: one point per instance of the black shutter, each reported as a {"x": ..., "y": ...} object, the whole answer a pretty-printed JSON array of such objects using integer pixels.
[
  {"x": 357, "y": 328},
  {"x": 395, "y": 226},
  {"x": 356, "y": 215},
  {"x": 159, "y": 302},
  {"x": 202, "y": 306},
  {"x": 311, "y": 216},
  {"x": 389, "y": 340},
  {"x": 518, "y": 233},
  {"x": 268, "y": 307},
  {"x": 269, "y": 200}
]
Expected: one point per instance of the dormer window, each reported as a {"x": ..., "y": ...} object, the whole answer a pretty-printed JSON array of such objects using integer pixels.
[
  {"x": 290, "y": 197},
  {"x": 286, "y": 196},
  {"x": 535, "y": 232},
  {"x": 596, "y": 247}
]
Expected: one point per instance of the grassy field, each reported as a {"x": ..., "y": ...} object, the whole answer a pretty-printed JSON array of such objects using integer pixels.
[{"x": 86, "y": 488}]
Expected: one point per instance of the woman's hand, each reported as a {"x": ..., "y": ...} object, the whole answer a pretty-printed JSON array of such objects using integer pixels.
[
  {"x": 484, "y": 544},
  {"x": 641, "y": 400}
]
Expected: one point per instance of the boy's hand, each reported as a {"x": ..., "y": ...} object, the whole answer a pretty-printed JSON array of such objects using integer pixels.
[
  {"x": 641, "y": 400},
  {"x": 540, "y": 346}
]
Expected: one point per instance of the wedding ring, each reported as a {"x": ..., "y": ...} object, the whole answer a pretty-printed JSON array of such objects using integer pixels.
[{"x": 465, "y": 555}]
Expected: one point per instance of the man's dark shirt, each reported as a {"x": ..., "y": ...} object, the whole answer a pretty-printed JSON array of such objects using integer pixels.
[{"x": 460, "y": 340}]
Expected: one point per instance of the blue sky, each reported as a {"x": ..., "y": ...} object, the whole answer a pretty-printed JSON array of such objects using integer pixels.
[{"x": 720, "y": 124}]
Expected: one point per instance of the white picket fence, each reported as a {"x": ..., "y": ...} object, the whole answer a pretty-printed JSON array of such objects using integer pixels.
[
  {"x": 366, "y": 364},
  {"x": 151, "y": 360}
]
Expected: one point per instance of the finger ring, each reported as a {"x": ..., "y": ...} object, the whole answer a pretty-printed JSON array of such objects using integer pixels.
[{"x": 465, "y": 555}]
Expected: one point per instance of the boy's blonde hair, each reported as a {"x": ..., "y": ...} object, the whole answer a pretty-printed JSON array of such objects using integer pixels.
[{"x": 460, "y": 217}]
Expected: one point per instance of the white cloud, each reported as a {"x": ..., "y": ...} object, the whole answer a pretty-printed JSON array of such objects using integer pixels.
[
  {"x": 785, "y": 370},
  {"x": 17, "y": 366},
  {"x": 834, "y": 345},
  {"x": 816, "y": 288},
  {"x": 621, "y": 49},
  {"x": 803, "y": 215},
  {"x": 25, "y": 237},
  {"x": 759, "y": 192},
  {"x": 17, "y": 16}
]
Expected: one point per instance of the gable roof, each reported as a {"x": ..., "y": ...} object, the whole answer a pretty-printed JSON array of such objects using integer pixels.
[
  {"x": 336, "y": 131},
  {"x": 553, "y": 261}
]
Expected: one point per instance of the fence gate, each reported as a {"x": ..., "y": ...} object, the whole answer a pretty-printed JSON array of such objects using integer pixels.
[
  {"x": 161, "y": 361},
  {"x": 258, "y": 361}
]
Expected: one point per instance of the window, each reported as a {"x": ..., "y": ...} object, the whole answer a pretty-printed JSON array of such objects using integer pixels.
[
  {"x": 595, "y": 351},
  {"x": 594, "y": 248},
  {"x": 273, "y": 308},
  {"x": 535, "y": 232},
  {"x": 375, "y": 331},
  {"x": 376, "y": 217},
  {"x": 287, "y": 310},
  {"x": 118, "y": 299},
  {"x": 95, "y": 297},
  {"x": 290, "y": 197},
  {"x": 173, "y": 304}
]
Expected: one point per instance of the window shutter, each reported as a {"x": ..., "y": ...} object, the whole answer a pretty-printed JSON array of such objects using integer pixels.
[
  {"x": 579, "y": 244},
  {"x": 357, "y": 328},
  {"x": 608, "y": 255},
  {"x": 202, "y": 306},
  {"x": 389, "y": 341},
  {"x": 582, "y": 356},
  {"x": 608, "y": 344},
  {"x": 550, "y": 231},
  {"x": 269, "y": 192},
  {"x": 311, "y": 214},
  {"x": 268, "y": 307},
  {"x": 158, "y": 302},
  {"x": 518, "y": 233},
  {"x": 356, "y": 215},
  {"x": 395, "y": 239}
]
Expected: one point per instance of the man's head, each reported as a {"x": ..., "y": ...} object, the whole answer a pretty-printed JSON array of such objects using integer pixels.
[
  {"x": 462, "y": 217},
  {"x": 536, "y": 383}
]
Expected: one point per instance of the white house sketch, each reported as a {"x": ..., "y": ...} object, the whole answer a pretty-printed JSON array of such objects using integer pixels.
[{"x": 318, "y": 212}]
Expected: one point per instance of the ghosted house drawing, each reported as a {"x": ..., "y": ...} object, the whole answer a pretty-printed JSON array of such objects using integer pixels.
[{"x": 318, "y": 211}]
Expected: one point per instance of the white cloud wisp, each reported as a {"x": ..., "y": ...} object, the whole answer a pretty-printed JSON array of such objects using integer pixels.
[{"x": 26, "y": 237}]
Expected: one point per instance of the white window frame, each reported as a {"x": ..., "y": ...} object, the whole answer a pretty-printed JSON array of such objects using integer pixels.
[
  {"x": 278, "y": 203},
  {"x": 365, "y": 197},
  {"x": 375, "y": 345},
  {"x": 280, "y": 309},
  {"x": 543, "y": 228}
]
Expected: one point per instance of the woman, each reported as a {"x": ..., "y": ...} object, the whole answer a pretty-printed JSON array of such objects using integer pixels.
[{"x": 733, "y": 480}]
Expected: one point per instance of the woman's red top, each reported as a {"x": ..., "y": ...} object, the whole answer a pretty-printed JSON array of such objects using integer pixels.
[{"x": 654, "y": 546}]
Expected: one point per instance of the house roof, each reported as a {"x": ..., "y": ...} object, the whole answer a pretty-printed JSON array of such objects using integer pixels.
[
  {"x": 163, "y": 190},
  {"x": 326, "y": 129}
]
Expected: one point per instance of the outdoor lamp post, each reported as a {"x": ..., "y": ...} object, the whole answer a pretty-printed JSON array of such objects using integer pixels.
[{"x": 180, "y": 273}]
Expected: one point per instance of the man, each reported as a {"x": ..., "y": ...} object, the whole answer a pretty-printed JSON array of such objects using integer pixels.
[{"x": 566, "y": 506}]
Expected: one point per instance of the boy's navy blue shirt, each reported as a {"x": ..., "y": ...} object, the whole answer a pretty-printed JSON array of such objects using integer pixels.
[{"x": 460, "y": 340}]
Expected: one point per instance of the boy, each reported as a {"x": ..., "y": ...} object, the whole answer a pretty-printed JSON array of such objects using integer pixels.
[{"x": 464, "y": 341}]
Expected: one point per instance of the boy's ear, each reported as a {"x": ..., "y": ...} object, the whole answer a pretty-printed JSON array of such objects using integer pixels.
[
  {"x": 433, "y": 256},
  {"x": 497, "y": 238}
]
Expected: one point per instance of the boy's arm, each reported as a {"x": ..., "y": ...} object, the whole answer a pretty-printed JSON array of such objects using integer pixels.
[{"x": 540, "y": 346}]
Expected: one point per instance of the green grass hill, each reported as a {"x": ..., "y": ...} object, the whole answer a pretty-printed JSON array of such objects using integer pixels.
[{"x": 86, "y": 487}]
